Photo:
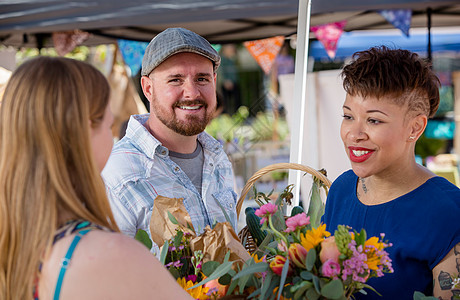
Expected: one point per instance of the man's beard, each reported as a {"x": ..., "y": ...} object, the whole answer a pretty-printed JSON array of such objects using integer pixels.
[{"x": 193, "y": 124}]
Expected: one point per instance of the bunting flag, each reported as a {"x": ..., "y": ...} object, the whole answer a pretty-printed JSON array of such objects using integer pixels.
[
  {"x": 132, "y": 53},
  {"x": 329, "y": 35},
  {"x": 65, "y": 41},
  {"x": 399, "y": 18},
  {"x": 265, "y": 51}
]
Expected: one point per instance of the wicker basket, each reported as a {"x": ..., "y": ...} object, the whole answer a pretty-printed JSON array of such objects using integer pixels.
[{"x": 244, "y": 234}]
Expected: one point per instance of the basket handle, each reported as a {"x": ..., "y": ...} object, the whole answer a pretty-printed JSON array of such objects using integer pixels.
[{"x": 273, "y": 167}]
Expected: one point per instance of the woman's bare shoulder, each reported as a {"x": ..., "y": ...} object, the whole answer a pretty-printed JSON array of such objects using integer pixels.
[{"x": 114, "y": 266}]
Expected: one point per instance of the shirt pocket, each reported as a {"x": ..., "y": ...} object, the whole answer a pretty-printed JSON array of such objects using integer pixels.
[{"x": 226, "y": 200}]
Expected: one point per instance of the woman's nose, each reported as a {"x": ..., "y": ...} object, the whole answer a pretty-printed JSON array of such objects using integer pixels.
[{"x": 357, "y": 132}]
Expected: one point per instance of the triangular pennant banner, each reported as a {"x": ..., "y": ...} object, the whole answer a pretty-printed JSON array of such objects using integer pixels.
[
  {"x": 132, "y": 53},
  {"x": 399, "y": 18},
  {"x": 265, "y": 51},
  {"x": 328, "y": 35},
  {"x": 65, "y": 41}
]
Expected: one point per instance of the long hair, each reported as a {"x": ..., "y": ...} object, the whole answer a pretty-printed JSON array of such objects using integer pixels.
[
  {"x": 48, "y": 173},
  {"x": 395, "y": 74}
]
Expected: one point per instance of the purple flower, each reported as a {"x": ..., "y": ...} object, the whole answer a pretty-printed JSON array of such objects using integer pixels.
[
  {"x": 331, "y": 269},
  {"x": 297, "y": 221},
  {"x": 265, "y": 211},
  {"x": 192, "y": 278},
  {"x": 177, "y": 264}
]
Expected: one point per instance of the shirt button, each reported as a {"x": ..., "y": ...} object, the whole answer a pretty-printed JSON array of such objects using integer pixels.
[
  {"x": 176, "y": 169},
  {"x": 211, "y": 164},
  {"x": 231, "y": 205},
  {"x": 163, "y": 152}
]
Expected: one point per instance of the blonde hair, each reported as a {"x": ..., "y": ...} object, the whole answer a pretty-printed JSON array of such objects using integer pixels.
[{"x": 48, "y": 174}]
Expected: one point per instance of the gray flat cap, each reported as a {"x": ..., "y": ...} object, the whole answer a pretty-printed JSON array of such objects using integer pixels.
[{"x": 176, "y": 40}]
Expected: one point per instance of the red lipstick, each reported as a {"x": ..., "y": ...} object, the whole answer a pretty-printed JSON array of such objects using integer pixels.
[{"x": 362, "y": 155}]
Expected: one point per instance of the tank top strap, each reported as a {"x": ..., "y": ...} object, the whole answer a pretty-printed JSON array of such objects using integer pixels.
[{"x": 80, "y": 227}]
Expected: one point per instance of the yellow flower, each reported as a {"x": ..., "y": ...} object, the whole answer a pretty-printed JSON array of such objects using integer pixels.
[
  {"x": 257, "y": 259},
  {"x": 370, "y": 248},
  {"x": 197, "y": 293},
  {"x": 313, "y": 237}
]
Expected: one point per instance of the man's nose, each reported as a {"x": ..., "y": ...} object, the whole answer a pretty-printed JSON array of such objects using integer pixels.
[{"x": 191, "y": 90}]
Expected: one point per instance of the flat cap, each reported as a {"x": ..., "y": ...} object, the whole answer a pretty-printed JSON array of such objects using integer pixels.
[{"x": 176, "y": 40}]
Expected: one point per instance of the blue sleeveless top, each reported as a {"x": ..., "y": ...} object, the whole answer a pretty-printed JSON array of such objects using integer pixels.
[
  {"x": 422, "y": 225},
  {"x": 80, "y": 227}
]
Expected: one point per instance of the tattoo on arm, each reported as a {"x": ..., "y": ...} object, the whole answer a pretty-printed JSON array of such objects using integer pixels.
[{"x": 445, "y": 280}]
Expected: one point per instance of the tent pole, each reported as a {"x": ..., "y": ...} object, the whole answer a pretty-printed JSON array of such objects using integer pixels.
[
  {"x": 300, "y": 85},
  {"x": 428, "y": 13}
]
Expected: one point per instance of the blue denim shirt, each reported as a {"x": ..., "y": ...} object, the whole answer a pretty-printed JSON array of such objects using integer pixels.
[{"x": 139, "y": 169}]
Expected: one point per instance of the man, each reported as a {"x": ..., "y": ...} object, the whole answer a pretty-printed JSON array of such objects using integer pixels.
[{"x": 167, "y": 152}]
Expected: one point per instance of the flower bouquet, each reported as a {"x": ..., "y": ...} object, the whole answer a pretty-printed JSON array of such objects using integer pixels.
[{"x": 310, "y": 263}]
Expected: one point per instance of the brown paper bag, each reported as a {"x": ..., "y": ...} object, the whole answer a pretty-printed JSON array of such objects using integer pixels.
[
  {"x": 161, "y": 227},
  {"x": 216, "y": 242}
]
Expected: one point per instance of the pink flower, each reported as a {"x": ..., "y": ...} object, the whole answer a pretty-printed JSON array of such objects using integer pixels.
[
  {"x": 282, "y": 246},
  {"x": 329, "y": 250},
  {"x": 296, "y": 221},
  {"x": 265, "y": 211},
  {"x": 298, "y": 255},
  {"x": 331, "y": 269}
]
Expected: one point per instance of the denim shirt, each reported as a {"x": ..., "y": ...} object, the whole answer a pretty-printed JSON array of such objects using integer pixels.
[{"x": 139, "y": 169}]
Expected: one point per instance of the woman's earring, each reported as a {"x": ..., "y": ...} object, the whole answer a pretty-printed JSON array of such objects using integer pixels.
[{"x": 411, "y": 137}]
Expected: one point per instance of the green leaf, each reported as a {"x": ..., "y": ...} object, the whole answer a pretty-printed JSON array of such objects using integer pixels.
[
  {"x": 242, "y": 282},
  {"x": 304, "y": 286},
  {"x": 284, "y": 273},
  {"x": 266, "y": 284},
  {"x": 164, "y": 252},
  {"x": 311, "y": 259},
  {"x": 225, "y": 279},
  {"x": 189, "y": 226},
  {"x": 316, "y": 207},
  {"x": 209, "y": 267},
  {"x": 256, "y": 268},
  {"x": 418, "y": 296},
  {"x": 172, "y": 218},
  {"x": 220, "y": 271},
  {"x": 316, "y": 284},
  {"x": 178, "y": 238},
  {"x": 333, "y": 289},
  {"x": 306, "y": 275},
  {"x": 232, "y": 287},
  {"x": 174, "y": 272},
  {"x": 227, "y": 256},
  {"x": 311, "y": 294},
  {"x": 143, "y": 237}
]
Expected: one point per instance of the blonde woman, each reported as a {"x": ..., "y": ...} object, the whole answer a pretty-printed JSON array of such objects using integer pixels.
[{"x": 58, "y": 238}]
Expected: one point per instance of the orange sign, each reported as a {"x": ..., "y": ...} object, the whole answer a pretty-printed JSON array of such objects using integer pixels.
[{"x": 265, "y": 51}]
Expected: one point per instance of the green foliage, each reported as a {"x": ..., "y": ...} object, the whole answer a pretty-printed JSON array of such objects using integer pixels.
[
  {"x": 296, "y": 210},
  {"x": 316, "y": 207},
  {"x": 253, "y": 223},
  {"x": 429, "y": 147},
  {"x": 143, "y": 237},
  {"x": 421, "y": 296}
]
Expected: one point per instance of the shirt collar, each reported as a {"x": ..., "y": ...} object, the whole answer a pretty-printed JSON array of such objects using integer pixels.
[{"x": 148, "y": 144}]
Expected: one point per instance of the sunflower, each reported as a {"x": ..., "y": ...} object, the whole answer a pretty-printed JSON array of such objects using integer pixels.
[
  {"x": 199, "y": 292},
  {"x": 313, "y": 237}
]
